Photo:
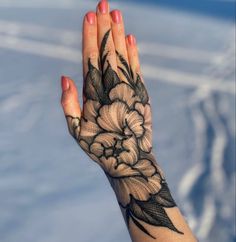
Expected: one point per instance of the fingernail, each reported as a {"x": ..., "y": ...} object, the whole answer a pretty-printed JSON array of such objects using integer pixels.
[
  {"x": 91, "y": 17},
  {"x": 116, "y": 16},
  {"x": 131, "y": 40},
  {"x": 103, "y": 7},
  {"x": 64, "y": 83}
]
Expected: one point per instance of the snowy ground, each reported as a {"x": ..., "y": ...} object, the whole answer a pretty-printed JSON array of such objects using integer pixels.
[{"x": 49, "y": 190}]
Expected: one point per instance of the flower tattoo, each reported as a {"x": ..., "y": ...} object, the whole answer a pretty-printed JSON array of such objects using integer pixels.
[{"x": 116, "y": 131}]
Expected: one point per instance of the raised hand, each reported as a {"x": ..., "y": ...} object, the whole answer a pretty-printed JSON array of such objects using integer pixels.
[{"x": 115, "y": 127}]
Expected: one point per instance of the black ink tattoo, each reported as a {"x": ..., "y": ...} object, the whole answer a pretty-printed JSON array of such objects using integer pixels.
[{"x": 116, "y": 131}]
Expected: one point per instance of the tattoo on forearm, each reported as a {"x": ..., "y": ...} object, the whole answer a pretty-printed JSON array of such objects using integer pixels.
[{"x": 115, "y": 131}]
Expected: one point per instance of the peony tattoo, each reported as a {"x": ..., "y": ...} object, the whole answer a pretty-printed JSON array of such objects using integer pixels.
[{"x": 115, "y": 130}]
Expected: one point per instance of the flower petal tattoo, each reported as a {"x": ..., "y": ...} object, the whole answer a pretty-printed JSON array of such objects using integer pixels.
[{"x": 115, "y": 130}]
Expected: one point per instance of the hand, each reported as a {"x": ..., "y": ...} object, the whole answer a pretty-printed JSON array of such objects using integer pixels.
[{"x": 115, "y": 127}]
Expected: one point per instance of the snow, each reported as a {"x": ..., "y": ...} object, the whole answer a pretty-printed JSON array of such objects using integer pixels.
[{"x": 50, "y": 191}]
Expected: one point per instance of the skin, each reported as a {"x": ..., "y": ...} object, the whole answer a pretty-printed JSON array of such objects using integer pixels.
[{"x": 168, "y": 224}]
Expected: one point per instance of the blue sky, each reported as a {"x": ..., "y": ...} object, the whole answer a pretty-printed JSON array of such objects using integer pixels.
[{"x": 218, "y": 8}]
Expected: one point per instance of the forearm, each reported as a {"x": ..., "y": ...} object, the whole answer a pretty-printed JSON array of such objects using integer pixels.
[
  {"x": 147, "y": 205},
  {"x": 162, "y": 234}
]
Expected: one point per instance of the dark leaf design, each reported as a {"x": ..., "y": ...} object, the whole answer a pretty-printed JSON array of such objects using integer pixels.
[
  {"x": 132, "y": 73},
  {"x": 164, "y": 198},
  {"x": 93, "y": 88},
  {"x": 103, "y": 60},
  {"x": 103, "y": 44},
  {"x": 110, "y": 79},
  {"x": 123, "y": 62},
  {"x": 126, "y": 75},
  {"x": 151, "y": 213},
  {"x": 141, "y": 90},
  {"x": 140, "y": 226}
]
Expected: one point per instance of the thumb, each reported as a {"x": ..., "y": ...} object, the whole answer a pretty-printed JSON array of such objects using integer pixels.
[{"x": 71, "y": 106}]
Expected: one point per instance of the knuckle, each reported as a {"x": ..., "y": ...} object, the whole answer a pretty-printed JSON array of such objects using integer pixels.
[
  {"x": 65, "y": 101},
  {"x": 105, "y": 22},
  {"x": 92, "y": 54},
  {"x": 121, "y": 31},
  {"x": 92, "y": 33}
]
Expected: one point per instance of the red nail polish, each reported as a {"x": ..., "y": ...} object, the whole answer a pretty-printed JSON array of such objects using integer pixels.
[
  {"x": 103, "y": 7},
  {"x": 64, "y": 83},
  {"x": 116, "y": 16},
  {"x": 91, "y": 17},
  {"x": 131, "y": 39}
]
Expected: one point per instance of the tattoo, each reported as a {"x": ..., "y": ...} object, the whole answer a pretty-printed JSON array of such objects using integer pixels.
[{"x": 116, "y": 132}]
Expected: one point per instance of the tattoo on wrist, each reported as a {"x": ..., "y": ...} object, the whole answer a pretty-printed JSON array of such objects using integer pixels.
[{"x": 115, "y": 130}]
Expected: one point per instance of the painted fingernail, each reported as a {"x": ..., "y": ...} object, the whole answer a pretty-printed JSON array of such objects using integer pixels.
[
  {"x": 91, "y": 17},
  {"x": 103, "y": 7},
  {"x": 116, "y": 16},
  {"x": 131, "y": 39},
  {"x": 65, "y": 83}
]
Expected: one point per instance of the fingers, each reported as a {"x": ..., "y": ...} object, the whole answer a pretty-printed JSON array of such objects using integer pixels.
[
  {"x": 70, "y": 105},
  {"x": 105, "y": 40},
  {"x": 118, "y": 33},
  {"x": 90, "y": 45},
  {"x": 133, "y": 55}
]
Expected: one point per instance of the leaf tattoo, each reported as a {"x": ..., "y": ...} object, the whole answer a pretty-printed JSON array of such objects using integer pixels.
[{"x": 116, "y": 131}]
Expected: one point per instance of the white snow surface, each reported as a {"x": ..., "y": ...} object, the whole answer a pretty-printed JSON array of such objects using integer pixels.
[{"x": 49, "y": 189}]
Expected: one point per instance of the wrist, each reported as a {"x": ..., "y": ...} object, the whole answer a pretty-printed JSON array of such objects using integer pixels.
[
  {"x": 139, "y": 180},
  {"x": 141, "y": 191}
]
